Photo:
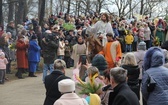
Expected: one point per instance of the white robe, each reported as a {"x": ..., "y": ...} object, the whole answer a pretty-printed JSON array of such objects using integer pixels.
[{"x": 100, "y": 27}]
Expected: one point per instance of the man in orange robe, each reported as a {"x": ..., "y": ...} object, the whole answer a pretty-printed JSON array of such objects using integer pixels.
[{"x": 112, "y": 51}]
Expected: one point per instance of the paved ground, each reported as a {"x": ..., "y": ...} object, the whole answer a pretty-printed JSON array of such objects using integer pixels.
[{"x": 28, "y": 91}]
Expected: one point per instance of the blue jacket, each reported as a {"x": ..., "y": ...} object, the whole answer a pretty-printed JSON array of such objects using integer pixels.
[
  {"x": 34, "y": 51},
  {"x": 116, "y": 33},
  {"x": 159, "y": 96}
]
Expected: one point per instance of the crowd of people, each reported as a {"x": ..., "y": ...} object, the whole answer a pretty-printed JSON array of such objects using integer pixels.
[{"x": 133, "y": 55}]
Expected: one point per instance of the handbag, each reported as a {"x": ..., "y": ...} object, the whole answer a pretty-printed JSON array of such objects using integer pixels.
[{"x": 151, "y": 83}]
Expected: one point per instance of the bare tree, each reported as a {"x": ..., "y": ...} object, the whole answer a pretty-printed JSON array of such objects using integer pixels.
[
  {"x": 51, "y": 5},
  {"x": 99, "y": 5},
  {"x": 20, "y": 11},
  {"x": 11, "y": 10},
  {"x": 42, "y": 12},
  {"x": 1, "y": 14},
  {"x": 69, "y": 5},
  {"x": 121, "y": 6}
]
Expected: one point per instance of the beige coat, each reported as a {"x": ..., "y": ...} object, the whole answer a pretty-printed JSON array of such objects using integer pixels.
[
  {"x": 70, "y": 99},
  {"x": 77, "y": 51},
  {"x": 61, "y": 48}
]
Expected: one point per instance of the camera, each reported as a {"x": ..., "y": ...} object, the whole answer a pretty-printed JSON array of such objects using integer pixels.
[{"x": 82, "y": 59}]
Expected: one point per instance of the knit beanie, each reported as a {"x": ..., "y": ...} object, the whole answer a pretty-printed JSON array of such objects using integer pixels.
[{"x": 99, "y": 62}]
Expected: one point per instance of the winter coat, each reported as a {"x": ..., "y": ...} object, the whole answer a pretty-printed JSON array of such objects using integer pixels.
[
  {"x": 34, "y": 51},
  {"x": 52, "y": 92},
  {"x": 147, "y": 33},
  {"x": 123, "y": 95},
  {"x": 67, "y": 50},
  {"x": 49, "y": 51},
  {"x": 4, "y": 47},
  {"x": 133, "y": 78},
  {"x": 116, "y": 33},
  {"x": 105, "y": 96},
  {"x": 139, "y": 55},
  {"x": 3, "y": 62},
  {"x": 129, "y": 39},
  {"x": 12, "y": 31},
  {"x": 70, "y": 99},
  {"x": 21, "y": 54},
  {"x": 153, "y": 64},
  {"x": 61, "y": 48}
]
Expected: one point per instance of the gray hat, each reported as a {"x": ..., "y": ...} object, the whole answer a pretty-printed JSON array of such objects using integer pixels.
[{"x": 142, "y": 46}]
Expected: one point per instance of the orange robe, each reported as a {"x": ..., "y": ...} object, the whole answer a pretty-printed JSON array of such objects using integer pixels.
[{"x": 110, "y": 50}]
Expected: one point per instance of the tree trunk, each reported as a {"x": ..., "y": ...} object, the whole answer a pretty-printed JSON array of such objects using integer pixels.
[
  {"x": 142, "y": 7},
  {"x": 11, "y": 10},
  {"x": 39, "y": 8},
  {"x": 1, "y": 13},
  {"x": 69, "y": 4},
  {"x": 51, "y": 5},
  {"x": 42, "y": 12},
  {"x": 20, "y": 11},
  {"x": 25, "y": 10}
]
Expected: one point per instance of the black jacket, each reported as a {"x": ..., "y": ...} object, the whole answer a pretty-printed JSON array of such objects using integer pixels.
[
  {"x": 51, "y": 85},
  {"x": 133, "y": 74},
  {"x": 133, "y": 78},
  {"x": 123, "y": 95}
]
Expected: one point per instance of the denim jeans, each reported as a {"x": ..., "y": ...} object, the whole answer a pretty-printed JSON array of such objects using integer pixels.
[
  {"x": 47, "y": 67},
  {"x": 128, "y": 48}
]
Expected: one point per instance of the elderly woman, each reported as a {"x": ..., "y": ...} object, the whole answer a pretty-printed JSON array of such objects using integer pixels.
[
  {"x": 67, "y": 88},
  {"x": 21, "y": 55},
  {"x": 130, "y": 64},
  {"x": 139, "y": 55},
  {"x": 153, "y": 66},
  {"x": 33, "y": 55}
]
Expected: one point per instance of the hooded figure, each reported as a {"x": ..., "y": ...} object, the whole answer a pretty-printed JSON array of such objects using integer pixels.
[{"x": 153, "y": 67}]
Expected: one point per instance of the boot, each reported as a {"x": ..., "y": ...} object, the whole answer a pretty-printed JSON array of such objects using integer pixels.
[
  {"x": 19, "y": 74},
  {"x": 31, "y": 74}
]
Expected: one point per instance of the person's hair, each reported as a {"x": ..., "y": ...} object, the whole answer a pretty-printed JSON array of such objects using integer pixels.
[
  {"x": 80, "y": 36},
  {"x": 59, "y": 64},
  {"x": 106, "y": 74},
  {"x": 118, "y": 74},
  {"x": 106, "y": 15},
  {"x": 110, "y": 35},
  {"x": 92, "y": 70},
  {"x": 129, "y": 59}
]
